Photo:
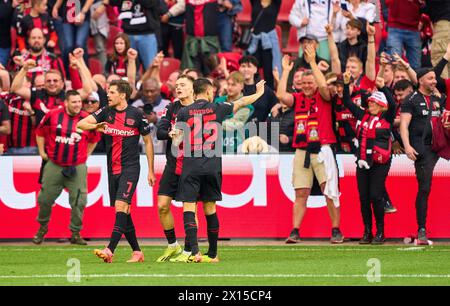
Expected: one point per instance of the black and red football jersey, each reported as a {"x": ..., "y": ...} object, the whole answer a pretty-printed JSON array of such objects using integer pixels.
[
  {"x": 22, "y": 126},
  {"x": 63, "y": 145},
  {"x": 201, "y": 18},
  {"x": 28, "y": 23},
  {"x": 203, "y": 119},
  {"x": 122, "y": 135},
  {"x": 44, "y": 62},
  {"x": 164, "y": 126},
  {"x": 42, "y": 102}
]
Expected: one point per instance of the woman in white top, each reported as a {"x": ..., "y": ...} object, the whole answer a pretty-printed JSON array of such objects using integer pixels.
[{"x": 360, "y": 9}]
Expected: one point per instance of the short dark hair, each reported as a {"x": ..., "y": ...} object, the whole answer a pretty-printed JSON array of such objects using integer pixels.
[
  {"x": 201, "y": 85},
  {"x": 249, "y": 59},
  {"x": 70, "y": 93},
  {"x": 212, "y": 62},
  {"x": 122, "y": 87},
  {"x": 403, "y": 84}
]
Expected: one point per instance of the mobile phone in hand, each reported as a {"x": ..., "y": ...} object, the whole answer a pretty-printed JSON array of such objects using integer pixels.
[{"x": 344, "y": 6}]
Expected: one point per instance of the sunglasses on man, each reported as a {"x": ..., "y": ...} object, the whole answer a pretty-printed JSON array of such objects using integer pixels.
[{"x": 90, "y": 102}]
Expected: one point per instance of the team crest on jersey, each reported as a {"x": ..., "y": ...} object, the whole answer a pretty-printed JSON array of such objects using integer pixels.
[
  {"x": 164, "y": 112},
  {"x": 130, "y": 121}
]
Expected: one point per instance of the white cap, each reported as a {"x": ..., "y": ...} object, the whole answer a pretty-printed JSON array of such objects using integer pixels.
[
  {"x": 94, "y": 96},
  {"x": 379, "y": 98}
]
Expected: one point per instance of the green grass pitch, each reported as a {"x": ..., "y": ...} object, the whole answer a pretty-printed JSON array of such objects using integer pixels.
[{"x": 239, "y": 265}]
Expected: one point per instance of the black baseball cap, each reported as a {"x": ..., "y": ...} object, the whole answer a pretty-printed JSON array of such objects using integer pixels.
[
  {"x": 422, "y": 71},
  {"x": 309, "y": 37}
]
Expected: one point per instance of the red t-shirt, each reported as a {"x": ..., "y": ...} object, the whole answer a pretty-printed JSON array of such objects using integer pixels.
[
  {"x": 324, "y": 110},
  {"x": 365, "y": 83}
]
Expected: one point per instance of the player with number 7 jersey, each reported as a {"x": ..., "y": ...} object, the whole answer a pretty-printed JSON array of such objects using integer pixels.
[{"x": 122, "y": 126}]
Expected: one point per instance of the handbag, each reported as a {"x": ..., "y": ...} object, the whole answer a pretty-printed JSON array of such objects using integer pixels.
[{"x": 246, "y": 37}]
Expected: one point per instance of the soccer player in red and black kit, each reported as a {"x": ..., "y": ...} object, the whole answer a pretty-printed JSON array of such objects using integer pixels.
[
  {"x": 169, "y": 181},
  {"x": 122, "y": 126},
  {"x": 201, "y": 176}
]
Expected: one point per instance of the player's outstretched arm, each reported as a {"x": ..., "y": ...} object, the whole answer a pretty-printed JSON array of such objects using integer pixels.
[
  {"x": 247, "y": 100},
  {"x": 150, "y": 159},
  {"x": 90, "y": 123}
]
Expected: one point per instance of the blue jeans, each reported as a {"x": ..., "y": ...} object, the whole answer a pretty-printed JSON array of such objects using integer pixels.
[
  {"x": 225, "y": 27},
  {"x": 146, "y": 46},
  {"x": 75, "y": 37},
  {"x": 4, "y": 56},
  {"x": 58, "y": 24},
  {"x": 410, "y": 40},
  {"x": 23, "y": 151}
]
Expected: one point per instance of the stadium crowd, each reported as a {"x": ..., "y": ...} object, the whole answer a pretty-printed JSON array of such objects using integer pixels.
[{"x": 363, "y": 77}]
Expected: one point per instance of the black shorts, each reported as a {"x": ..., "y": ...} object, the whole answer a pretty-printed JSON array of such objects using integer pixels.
[
  {"x": 168, "y": 185},
  {"x": 204, "y": 188},
  {"x": 122, "y": 186}
]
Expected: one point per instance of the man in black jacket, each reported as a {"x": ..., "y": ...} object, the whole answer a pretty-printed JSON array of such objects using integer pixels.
[{"x": 141, "y": 22}]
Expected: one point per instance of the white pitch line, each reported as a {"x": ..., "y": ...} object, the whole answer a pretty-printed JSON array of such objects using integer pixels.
[
  {"x": 299, "y": 249},
  {"x": 411, "y": 276}
]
